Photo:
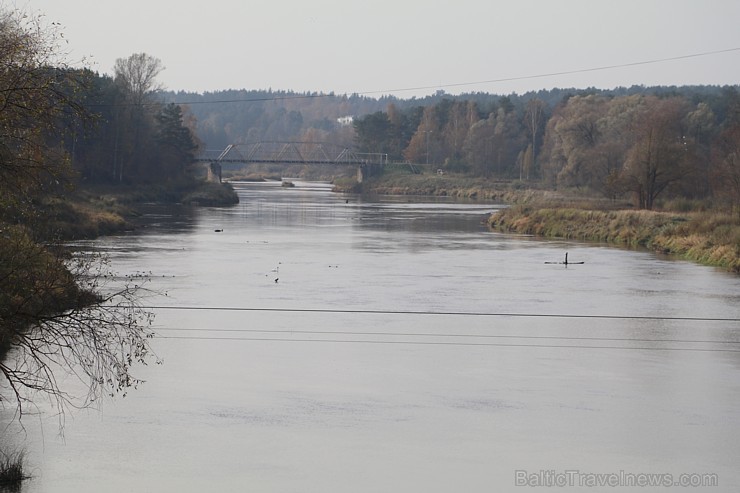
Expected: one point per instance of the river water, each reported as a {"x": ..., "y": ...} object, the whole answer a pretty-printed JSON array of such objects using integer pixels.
[{"x": 395, "y": 344}]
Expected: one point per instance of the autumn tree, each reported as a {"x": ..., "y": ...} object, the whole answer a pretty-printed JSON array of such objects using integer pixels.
[
  {"x": 57, "y": 320},
  {"x": 461, "y": 116},
  {"x": 61, "y": 321},
  {"x": 725, "y": 174},
  {"x": 481, "y": 149},
  {"x": 578, "y": 146},
  {"x": 425, "y": 145},
  {"x": 135, "y": 77},
  {"x": 661, "y": 154},
  {"x": 534, "y": 117},
  {"x": 493, "y": 144},
  {"x": 33, "y": 98},
  {"x": 641, "y": 144},
  {"x": 700, "y": 128}
]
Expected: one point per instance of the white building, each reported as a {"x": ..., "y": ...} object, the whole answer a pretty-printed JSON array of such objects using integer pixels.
[{"x": 345, "y": 120}]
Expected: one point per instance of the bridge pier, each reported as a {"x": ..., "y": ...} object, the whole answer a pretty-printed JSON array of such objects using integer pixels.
[
  {"x": 214, "y": 172},
  {"x": 366, "y": 170}
]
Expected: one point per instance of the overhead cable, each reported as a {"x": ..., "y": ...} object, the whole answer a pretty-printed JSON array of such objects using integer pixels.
[
  {"x": 439, "y": 86},
  {"x": 439, "y": 313}
]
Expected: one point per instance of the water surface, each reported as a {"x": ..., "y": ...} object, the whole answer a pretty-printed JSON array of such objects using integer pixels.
[{"x": 355, "y": 367}]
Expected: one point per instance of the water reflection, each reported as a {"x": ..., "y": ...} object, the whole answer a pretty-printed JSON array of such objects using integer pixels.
[{"x": 325, "y": 381}]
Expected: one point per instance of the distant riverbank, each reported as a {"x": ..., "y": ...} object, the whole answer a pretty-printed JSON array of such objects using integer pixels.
[
  {"x": 710, "y": 238},
  {"x": 432, "y": 184},
  {"x": 99, "y": 211}
]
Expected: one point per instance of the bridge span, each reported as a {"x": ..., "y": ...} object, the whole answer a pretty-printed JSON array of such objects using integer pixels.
[{"x": 315, "y": 153}]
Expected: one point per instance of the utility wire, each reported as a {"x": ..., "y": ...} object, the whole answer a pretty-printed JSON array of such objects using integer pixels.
[
  {"x": 444, "y": 335},
  {"x": 438, "y": 313},
  {"x": 416, "y": 336},
  {"x": 448, "y": 343},
  {"x": 441, "y": 86},
  {"x": 565, "y": 72}
]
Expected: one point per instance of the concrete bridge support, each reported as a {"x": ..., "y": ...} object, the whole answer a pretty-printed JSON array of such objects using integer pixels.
[
  {"x": 366, "y": 170},
  {"x": 214, "y": 172}
]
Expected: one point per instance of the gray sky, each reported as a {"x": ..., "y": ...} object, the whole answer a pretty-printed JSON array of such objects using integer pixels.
[{"x": 381, "y": 46}]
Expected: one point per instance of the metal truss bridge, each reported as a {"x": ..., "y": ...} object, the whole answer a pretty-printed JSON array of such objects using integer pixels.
[{"x": 292, "y": 153}]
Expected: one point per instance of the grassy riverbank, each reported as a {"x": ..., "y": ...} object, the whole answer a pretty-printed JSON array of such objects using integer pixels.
[
  {"x": 402, "y": 182},
  {"x": 710, "y": 237},
  {"x": 99, "y": 211},
  {"x": 705, "y": 236},
  {"x": 191, "y": 193},
  {"x": 83, "y": 216}
]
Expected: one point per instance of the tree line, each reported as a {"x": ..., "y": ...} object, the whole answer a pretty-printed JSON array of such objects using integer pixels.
[
  {"x": 645, "y": 143},
  {"x": 125, "y": 135},
  {"x": 59, "y": 125},
  {"x": 247, "y": 116},
  {"x": 641, "y": 143}
]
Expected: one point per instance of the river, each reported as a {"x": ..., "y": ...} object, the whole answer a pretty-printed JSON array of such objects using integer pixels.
[{"x": 395, "y": 344}]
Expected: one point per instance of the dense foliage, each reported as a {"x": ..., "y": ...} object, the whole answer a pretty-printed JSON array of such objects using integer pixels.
[
  {"x": 57, "y": 315},
  {"x": 641, "y": 143},
  {"x": 129, "y": 137}
]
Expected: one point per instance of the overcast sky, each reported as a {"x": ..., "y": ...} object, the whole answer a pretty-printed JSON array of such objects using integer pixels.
[{"x": 405, "y": 47}]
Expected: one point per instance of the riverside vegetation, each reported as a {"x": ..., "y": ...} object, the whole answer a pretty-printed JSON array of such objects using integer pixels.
[
  {"x": 102, "y": 210},
  {"x": 708, "y": 237},
  {"x": 76, "y": 151},
  {"x": 11, "y": 471},
  {"x": 682, "y": 228}
]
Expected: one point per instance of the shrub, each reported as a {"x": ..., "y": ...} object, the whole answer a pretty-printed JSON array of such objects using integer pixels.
[
  {"x": 11, "y": 470},
  {"x": 711, "y": 238},
  {"x": 212, "y": 194}
]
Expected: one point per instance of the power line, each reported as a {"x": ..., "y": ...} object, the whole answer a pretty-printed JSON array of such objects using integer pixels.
[
  {"x": 564, "y": 72},
  {"x": 416, "y": 336},
  {"x": 444, "y": 335},
  {"x": 439, "y": 313},
  {"x": 447, "y": 343},
  {"x": 440, "y": 86},
  {"x": 217, "y": 101}
]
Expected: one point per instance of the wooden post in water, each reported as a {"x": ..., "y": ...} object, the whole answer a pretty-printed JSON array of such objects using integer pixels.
[{"x": 566, "y": 263}]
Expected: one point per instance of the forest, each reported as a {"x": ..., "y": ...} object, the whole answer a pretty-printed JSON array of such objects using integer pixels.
[
  {"x": 123, "y": 134},
  {"x": 68, "y": 131},
  {"x": 62, "y": 129},
  {"x": 644, "y": 143}
]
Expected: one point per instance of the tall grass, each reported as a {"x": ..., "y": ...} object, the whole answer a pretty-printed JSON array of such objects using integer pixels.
[
  {"x": 11, "y": 471},
  {"x": 711, "y": 238},
  {"x": 687, "y": 228},
  {"x": 212, "y": 194},
  {"x": 402, "y": 182},
  {"x": 77, "y": 218}
]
